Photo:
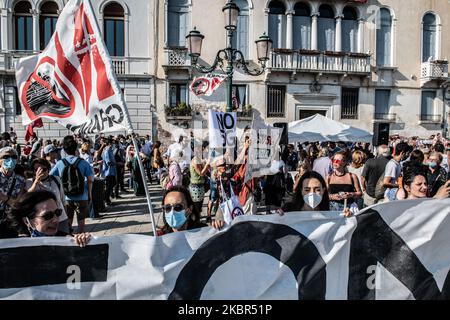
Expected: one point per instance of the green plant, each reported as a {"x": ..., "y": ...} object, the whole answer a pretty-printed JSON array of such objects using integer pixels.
[{"x": 181, "y": 109}]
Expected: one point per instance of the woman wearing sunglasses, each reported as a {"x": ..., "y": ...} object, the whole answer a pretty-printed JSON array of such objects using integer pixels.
[
  {"x": 43, "y": 181},
  {"x": 342, "y": 185},
  {"x": 179, "y": 212},
  {"x": 36, "y": 214}
]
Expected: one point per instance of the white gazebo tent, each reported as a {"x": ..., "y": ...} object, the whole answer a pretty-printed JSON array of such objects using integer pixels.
[{"x": 320, "y": 128}]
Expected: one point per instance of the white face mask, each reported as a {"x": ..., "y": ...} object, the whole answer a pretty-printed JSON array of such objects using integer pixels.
[{"x": 312, "y": 199}]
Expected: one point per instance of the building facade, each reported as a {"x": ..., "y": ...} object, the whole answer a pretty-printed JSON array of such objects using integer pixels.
[
  {"x": 26, "y": 27},
  {"x": 359, "y": 62}
]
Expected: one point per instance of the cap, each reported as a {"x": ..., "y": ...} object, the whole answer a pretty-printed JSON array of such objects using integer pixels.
[
  {"x": 7, "y": 151},
  {"x": 49, "y": 149}
]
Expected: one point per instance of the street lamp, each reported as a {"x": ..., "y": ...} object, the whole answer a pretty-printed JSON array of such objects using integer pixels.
[{"x": 229, "y": 55}]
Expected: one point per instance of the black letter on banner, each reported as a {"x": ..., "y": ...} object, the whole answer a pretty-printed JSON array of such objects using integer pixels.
[
  {"x": 298, "y": 253},
  {"x": 229, "y": 116},
  {"x": 374, "y": 241},
  {"x": 112, "y": 118},
  {"x": 23, "y": 267}
]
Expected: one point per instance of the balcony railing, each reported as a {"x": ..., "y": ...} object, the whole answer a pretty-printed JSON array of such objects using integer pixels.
[
  {"x": 315, "y": 61},
  {"x": 434, "y": 70},
  {"x": 121, "y": 65},
  {"x": 176, "y": 57},
  {"x": 387, "y": 117},
  {"x": 430, "y": 118}
]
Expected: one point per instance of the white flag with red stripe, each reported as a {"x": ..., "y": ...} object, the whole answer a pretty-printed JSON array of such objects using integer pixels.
[{"x": 72, "y": 80}]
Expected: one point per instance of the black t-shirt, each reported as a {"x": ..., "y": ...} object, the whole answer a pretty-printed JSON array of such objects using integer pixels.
[{"x": 372, "y": 171}]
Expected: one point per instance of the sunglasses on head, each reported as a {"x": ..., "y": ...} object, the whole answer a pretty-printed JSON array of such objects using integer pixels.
[
  {"x": 48, "y": 215},
  {"x": 9, "y": 156},
  {"x": 176, "y": 207}
]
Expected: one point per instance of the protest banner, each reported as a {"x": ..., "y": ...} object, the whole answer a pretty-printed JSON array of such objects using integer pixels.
[
  {"x": 395, "y": 250},
  {"x": 263, "y": 152},
  {"x": 222, "y": 129}
]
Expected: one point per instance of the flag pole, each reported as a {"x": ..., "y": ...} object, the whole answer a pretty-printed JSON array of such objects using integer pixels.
[{"x": 129, "y": 128}]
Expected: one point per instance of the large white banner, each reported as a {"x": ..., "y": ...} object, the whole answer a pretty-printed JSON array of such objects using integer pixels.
[
  {"x": 397, "y": 250},
  {"x": 222, "y": 129},
  {"x": 263, "y": 153},
  {"x": 72, "y": 80}
]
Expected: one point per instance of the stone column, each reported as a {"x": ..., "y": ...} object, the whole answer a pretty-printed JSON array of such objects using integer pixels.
[
  {"x": 289, "y": 30},
  {"x": 361, "y": 35},
  {"x": 36, "y": 42},
  {"x": 338, "y": 44},
  {"x": 6, "y": 31},
  {"x": 314, "y": 39}
]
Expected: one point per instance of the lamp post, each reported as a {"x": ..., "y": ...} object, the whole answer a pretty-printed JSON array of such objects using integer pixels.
[{"x": 232, "y": 57}]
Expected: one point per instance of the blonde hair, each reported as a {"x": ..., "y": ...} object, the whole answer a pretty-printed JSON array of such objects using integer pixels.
[{"x": 358, "y": 158}]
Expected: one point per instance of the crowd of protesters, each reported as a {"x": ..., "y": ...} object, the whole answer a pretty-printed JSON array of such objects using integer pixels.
[{"x": 78, "y": 175}]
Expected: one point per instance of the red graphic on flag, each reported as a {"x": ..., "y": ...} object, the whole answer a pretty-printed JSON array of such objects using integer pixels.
[
  {"x": 36, "y": 124},
  {"x": 56, "y": 84}
]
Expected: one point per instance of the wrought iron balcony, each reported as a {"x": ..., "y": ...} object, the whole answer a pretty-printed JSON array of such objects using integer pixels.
[
  {"x": 385, "y": 117},
  {"x": 434, "y": 70},
  {"x": 316, "y": 61},
  {"x": 430, "y": 118}
]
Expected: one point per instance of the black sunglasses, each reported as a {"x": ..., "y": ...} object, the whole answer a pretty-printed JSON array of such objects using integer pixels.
[
  {"x": 176, "y": 207},
  {"x": 9, "y": 156},
  {"x": 48, "y": 215}
]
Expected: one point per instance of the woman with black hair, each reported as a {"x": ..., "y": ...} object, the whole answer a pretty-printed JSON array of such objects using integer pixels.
[
  {"x": 179, "y": 212},
  {"x": 311, "y": 195},
  {"x": 415, "y": 185},
  {"x": 36, "y": 214}
]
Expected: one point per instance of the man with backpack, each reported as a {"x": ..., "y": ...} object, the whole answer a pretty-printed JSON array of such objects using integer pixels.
[{"x": 77, "y": 177}]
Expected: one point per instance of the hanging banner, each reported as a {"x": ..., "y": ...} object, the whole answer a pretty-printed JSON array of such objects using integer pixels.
[
  {"x": 263, "y": 153},
  {"x": 394, "y": 250},
  {"x": 207, "y": 84},
  {"x": 72, "y": 80},
  {"x": 222, "y": 129}
]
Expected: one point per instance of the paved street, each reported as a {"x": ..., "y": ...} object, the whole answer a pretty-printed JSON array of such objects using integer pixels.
[{"x": 129, "y": 215}]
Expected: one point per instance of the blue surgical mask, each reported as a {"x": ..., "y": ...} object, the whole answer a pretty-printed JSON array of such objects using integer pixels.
[
  {"x": 35, "y": 233},
  {"x": 9, "y": 164},
  {"x": 432, "y": 164},
  {"x": 175, "y": 219}
]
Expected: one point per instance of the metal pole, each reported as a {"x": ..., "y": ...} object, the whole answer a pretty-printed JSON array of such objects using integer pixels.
[
  {"x": 230, "y": 72},
  {"x": 144, "y": 180}
]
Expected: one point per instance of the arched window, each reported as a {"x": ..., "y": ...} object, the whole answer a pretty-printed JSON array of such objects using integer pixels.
[
  {"x": 384, "y": 38},
  {"x": 114, "y": 29},
  {"x": 240, "y": 40},
  {"x": 326, "y": 28},
  {"x": 277, "y": 24},
  {"x": 350, "y": 30},
  {"x": 23, "y": 23},
  {"x": 302, "y": 26},
  {"x": 177, "y": 23},
  {"x": 47, "y": 22},
  {"x": 429, "y": 37}
]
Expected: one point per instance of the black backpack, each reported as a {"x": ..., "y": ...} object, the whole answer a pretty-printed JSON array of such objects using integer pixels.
[{"x": 72, "y": 178}]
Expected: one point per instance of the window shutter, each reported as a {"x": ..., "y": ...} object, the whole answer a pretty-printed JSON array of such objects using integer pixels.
[
  {"x": 183, "y": 29},
  {"x": 302, "y": 32},
  {"x": 382, "y": 101},
  {"x": 273, "y": 29},
  {"x": 172, "y": 29},
  {"x": 242, "y": 35}
]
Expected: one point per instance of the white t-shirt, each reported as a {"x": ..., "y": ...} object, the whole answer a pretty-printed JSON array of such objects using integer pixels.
[
  {"x": 51, "y": 185},
  {"x": 322, "y": 165},
  {"x": 393, "y": 170}
]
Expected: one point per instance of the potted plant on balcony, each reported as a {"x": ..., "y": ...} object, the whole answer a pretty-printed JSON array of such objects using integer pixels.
[
  {"x": 181, "y": 110},
  {"x": 246, "y": 111}
]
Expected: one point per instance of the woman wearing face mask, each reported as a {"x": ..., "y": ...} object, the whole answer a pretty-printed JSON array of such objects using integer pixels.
[
  {"x": 436, "y": 175},
  {"x": 179, "y": 210},
  {"x": 311, "y": 195},
  {"x": 11, "y": 184},
  {"x": 36, "y": 214},
  {"x": 44, "y": 181}
]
